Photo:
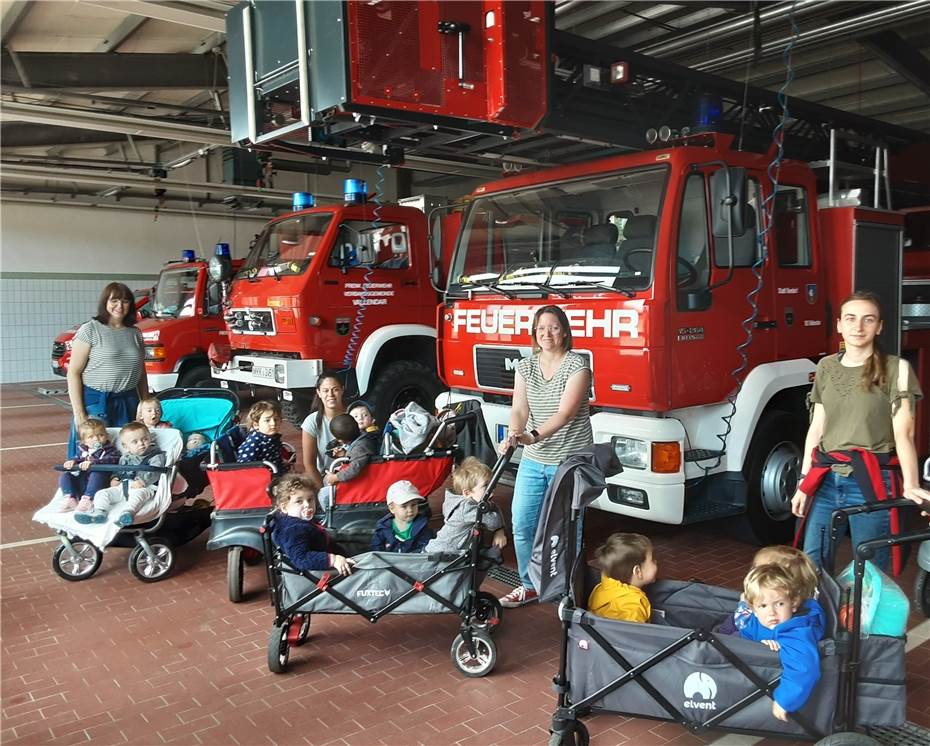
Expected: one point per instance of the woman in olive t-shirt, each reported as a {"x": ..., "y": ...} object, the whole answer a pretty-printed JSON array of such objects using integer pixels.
[{"x": 862, "y": 399}]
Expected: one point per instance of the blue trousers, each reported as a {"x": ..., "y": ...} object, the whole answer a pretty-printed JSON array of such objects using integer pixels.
[
  {"x": 533, "y": 479},
  {"x": 114, "y": 408},
  {"x": 837, "y": 491},
  {"x": 84, "y": 483}
]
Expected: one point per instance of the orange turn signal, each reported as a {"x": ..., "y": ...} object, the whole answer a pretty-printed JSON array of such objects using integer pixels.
[
  {"x": 666, "y": 458},
  {"x": 286, "y": 321}
]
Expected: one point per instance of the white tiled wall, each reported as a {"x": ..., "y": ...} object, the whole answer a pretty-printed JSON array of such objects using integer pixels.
[{"x": 33, "y": 312}]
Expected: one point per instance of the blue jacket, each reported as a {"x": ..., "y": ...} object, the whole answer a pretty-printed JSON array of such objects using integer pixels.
[
  {"x": 305, "y": 543},
  {"x": 799, "y": 654},
  {"x": 384, "y": 540},
  {"x": 260, "y": 447}
]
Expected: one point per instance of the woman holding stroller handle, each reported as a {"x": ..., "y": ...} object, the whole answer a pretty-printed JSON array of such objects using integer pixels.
[
  {"x": 860, "y": 444},
  {"x": 551, "y": 418},
  {"x": 106, "y": 377},
  {"x": 316, "y": 434}
]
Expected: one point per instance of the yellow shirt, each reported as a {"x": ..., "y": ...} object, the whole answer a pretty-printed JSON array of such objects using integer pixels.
[{"x": 615, "y": 600}]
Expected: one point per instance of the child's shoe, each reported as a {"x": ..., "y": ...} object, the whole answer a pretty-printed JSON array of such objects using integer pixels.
[
  {"x": 68, "y": 504},
  {"x": 518, "y": 597},
  {"x": 94, "y": 516},
  {"x": 85, "y": 505},
  {"x": 125, "y": 518}
]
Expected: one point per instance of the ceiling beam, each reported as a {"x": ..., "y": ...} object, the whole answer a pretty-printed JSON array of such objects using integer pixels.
[
  {"x": 126, "y": 28},
  {"x": 21, "y": 135},
  {"x": 13, "y": 16},
  {"x": 901, "y": 57},
  {"x": 185, "y": 14},
  {"x": 124, "y": 72}
]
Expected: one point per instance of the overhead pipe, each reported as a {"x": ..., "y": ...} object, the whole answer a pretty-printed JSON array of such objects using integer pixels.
[{"x": 867, "y": 22}]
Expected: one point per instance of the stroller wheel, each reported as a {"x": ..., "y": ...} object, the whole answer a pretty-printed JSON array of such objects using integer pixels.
[
  {"x": 484, "y": 659},
  {"x": 576, "y": 735},
  {"x": 155, "y": 568},
  {"x": 847, "y": 738},
  {"x": 234, "y": 573},
  {"x": 298, "y": 629},
  {"x": 488, "y": 612},
  {"x": 79, "y": 564},
  {"x": 922, "y": 592},
  {"x": 279, "y": 649}
]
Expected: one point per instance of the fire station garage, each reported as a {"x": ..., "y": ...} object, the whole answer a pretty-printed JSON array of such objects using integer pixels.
[{"x": 272, "y": 270}]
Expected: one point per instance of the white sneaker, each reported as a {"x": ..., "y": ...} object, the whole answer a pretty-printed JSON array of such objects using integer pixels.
[{"x": 518, "y": 597}]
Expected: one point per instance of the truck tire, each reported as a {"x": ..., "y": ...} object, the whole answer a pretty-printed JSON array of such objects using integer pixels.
[
  {"x": 400, "y": 383},
  {"x": 771, "y": 470},
  {"x": 296, "y": 410},
  {"x": 197, "y": 377}
]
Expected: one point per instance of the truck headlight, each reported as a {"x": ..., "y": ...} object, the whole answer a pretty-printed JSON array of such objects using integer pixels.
[
  {"x": 154, "y": 352},
  {"x": 631, "y": 452}
]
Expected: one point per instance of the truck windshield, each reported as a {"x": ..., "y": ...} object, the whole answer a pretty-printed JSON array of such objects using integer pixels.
[
  {"x": 176, "y": 293},
  {"x": 287, "y": 246},
  {"x": 595, "y": 231}
]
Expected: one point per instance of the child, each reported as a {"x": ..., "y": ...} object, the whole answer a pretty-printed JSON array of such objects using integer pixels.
[
  {"x": 304, "y": 542},
  {"x": 786, "y": 622},
  {"x": 194, "y": 444},
  {"x": 356, "y": 447},
  {"x": 134, "y": 487},
  {"x": 795, "y": 562},
  {"x": 94, "y": 448},
  {"x": 460, "y": 508},
  {"x": 627, "y": 566},
  {"x": 149, "y": 413},
  {"x": 361, "y": 412},
  {"x": 263, "y": 443},
  {"x": 402, "y": 530}
]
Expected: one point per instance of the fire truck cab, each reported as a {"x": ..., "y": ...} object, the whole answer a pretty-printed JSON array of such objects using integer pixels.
[
  {"x": 677, "y": 304},
  {"x": 345, "y": 288}
]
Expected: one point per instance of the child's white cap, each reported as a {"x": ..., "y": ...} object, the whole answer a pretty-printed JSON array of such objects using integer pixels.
[{"x": 402, "y": 492}]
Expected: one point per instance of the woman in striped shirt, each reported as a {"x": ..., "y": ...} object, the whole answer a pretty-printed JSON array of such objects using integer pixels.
[
  {"x": 550, "y": 417},
  {"x": 106, "y": 376}
]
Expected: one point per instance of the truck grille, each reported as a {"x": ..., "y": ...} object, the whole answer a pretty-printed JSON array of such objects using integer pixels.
[
  {"x": 495, "y": 366},
  {"x": 250, "y": 321},
  {"x": 58, "y": 349}
]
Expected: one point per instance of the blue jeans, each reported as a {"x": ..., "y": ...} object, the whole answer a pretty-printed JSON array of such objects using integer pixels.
[
  {"x": 843, "y": 492},
  {"x": 533, "y": 479},
  {"x": 114, "y": 408}
]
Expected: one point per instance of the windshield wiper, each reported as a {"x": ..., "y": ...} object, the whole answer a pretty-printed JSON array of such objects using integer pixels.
[
  {"x": 549, "y": 288},
  {"x": 492, "y": 285},
  {"x": 626, "y": 292}
]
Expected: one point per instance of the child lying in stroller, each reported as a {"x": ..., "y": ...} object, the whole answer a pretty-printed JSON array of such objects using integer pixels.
[
  {"x": 134, "y": 487},
  {"x": 307, "y": 544},
  {"x": 460, "y": 508}
]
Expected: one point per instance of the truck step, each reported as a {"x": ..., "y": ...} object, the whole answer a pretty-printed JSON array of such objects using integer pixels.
[
  {"x": 706, "y": 510},
  {"x": 702, "y": 454}
]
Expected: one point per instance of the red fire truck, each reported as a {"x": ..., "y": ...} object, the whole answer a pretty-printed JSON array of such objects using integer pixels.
[
  {"x": 183, "y": 317},
  {"x": 702, "y": 354},
  {"x": 345, "y": 288}
]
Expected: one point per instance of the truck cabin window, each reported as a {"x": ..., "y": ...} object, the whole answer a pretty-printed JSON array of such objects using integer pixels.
[
  {"x": 382, "y": 246},
  {"x": 175, "y": 294},
  {"x": 598, "y": 230},
  {"x": 286, "y": 247}
]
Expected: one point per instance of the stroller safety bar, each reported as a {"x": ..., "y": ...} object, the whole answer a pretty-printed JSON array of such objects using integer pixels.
[{"x": 119, "y": 468}]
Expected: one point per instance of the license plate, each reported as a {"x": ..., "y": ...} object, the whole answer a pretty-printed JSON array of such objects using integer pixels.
[
  {"x": 262, "y": 371},
  {"x": 501, "y": 433}
]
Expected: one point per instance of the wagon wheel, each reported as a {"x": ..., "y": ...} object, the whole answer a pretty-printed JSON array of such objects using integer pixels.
[
  {"x": 279, "y": 648},
  {"x": 922, "y": 592},
  {"x": 847, "y": 738},
  {"x": 298, "y": 630},
  {"x": 482, "y": 663},
  {"x": 234, "y": 573},
  {"x": 576, "y": 735},
  {"x": 488, "y": 612},
  {"x": 80, "y": 564}
]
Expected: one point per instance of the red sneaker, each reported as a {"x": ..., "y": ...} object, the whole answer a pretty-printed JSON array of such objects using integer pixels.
[{"x": 518, "y": 597}]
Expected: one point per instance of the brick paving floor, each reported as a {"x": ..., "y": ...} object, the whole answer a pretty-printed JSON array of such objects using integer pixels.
[{"x": 115, "y": 661}]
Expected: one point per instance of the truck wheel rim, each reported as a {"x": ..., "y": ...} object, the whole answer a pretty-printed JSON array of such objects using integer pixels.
[{"x": 779, "y": 480}]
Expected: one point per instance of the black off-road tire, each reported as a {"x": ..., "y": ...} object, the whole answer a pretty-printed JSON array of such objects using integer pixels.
[
  {"x": 400, "y": 383},
  {"x": 198, "y": 377}
]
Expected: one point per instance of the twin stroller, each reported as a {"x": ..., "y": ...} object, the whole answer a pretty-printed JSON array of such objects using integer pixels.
[
  {"x": 167, "y": 520},
  {"x": 678, "y": 668}
]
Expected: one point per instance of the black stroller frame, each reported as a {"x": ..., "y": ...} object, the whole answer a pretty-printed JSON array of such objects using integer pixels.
[
  {"x": 566, "y": 728},
  {"x": 473, "y": 651}
]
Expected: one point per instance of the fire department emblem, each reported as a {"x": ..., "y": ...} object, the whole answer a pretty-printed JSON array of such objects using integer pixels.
[
  {"x": 811, "y": 292},
  {"x": 342, "y": 326}
]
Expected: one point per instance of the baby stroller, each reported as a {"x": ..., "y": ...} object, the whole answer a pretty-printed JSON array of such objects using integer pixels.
[
  {"x": 168, "y": 522},
  {"x": 384, "y": 583},
  {"x": 678, "y": 668},
  {"x": 242, "y": 498}
]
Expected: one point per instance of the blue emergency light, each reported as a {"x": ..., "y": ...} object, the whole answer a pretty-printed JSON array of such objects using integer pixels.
[
  {"x": 222, "y": 249},
  {"x": 709, "y": 111},
  {"x": 302, "y": 201},
  {"x": 356, "y": 191},
  {"x": 188, "y": 255}
]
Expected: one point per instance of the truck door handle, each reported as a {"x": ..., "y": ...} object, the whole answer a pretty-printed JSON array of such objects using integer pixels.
[{"x": 765, "y": 324}]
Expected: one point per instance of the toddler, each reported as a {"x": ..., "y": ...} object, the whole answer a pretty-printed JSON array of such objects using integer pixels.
[
  {"x": 627, "y": 566},
  {"x": 149, "y": 413},
  {"x": 361, "y": 412},
  {"x": 94, "y": 448},
  {"x": 355, "y": 446},
  {"x": 402, "y": 530},
  {"x": 263, "y": 443},
  {"x": 304, "y": 542},
  {"x": 135, "y": 488},
  {"x": 785, "y": 621},
  {"x": 793, "y": 561},
  {"x": 460, "y": 508},
  {"x": 194, "y": 444}
]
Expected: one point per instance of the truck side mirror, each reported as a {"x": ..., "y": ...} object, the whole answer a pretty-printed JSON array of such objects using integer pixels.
[
  {"x": 728, "y": 192},
  {"x": 347, "y": 256}
]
